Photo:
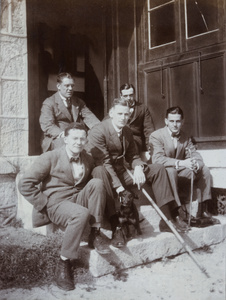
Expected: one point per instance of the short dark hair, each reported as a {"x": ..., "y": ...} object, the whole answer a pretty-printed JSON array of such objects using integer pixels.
[
  {"x": 127, "y": 86},
  {"x": 175, "y": 110},
  {"x": 119, "y": 101},
  {"x": 74, "y": 125},
  {"x": 63, "y": 75}
]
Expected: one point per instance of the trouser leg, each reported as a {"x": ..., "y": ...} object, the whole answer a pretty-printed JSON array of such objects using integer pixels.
[
  {"x": 93, "y": 197},
  {"x": 73, "y": 218},
  {"x": 203, "y": 183},
  {"x": 101, "y": 173}
]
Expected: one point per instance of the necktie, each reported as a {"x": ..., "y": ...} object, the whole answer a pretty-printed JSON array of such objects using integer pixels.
[
  {"x": 74, "y": 159},
  {"x": 68, "y": 100}
]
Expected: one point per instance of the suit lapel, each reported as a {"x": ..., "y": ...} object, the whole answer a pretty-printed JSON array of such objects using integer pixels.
[
  {"x": 66, "y": 165},
  {"x": 169, "y": 142},
  {"x": 114, "y": 136},
  {"x": 74, "y": 109},
  {"x": 62, "y": 107}
]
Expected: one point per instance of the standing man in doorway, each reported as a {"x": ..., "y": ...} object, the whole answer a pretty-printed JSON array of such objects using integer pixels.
[
  {"x": 61, "y": 109},
  {"x": 140, "y": 120}
]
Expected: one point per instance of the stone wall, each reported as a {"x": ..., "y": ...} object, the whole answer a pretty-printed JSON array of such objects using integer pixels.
[{"x": 13, "y": 100}]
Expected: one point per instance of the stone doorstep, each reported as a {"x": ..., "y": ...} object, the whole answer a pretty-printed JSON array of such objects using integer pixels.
[{"x": 154, "y": 245}]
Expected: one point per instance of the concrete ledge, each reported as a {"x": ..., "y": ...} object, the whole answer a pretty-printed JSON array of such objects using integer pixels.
[{"x": 155, "y": 245}]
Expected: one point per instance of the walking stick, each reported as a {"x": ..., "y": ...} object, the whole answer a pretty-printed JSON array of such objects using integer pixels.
[
  {"x": 169, "y": 223},
  {"x": 191, "y": 193}
]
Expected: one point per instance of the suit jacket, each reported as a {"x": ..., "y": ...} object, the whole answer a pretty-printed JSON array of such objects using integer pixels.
[
  {"x": 163, "y": 151},
  {"x": 107, "y": 149},
  {"x": 55, "y": 117},
  {"x": 141, "y": 125},
  {"x": 50, "y": 180}
]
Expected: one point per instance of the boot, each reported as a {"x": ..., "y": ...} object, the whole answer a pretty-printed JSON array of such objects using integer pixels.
[
  {"x": 118, "y": 239},
  {"x": 64, "y": 276},
  {"x": 96, "y": 241},
  {"x": 203, "y": 213}
]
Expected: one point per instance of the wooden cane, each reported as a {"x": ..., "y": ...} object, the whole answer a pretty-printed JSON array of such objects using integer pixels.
[
  {"x": 191, "y": 193},
  {"x": 169, "y": 223}
]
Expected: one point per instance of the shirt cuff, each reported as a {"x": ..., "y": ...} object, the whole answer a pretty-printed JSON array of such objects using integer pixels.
[
  {"x": 177, "y": 164},
  {"x": 120, "y": 189}
]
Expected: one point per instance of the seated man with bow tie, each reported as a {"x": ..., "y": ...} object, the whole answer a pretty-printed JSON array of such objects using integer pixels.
[
  {"x": 61, "y": 109},
  {"x": 67, "y": 197},
  {"x": 171, "y": 147}
]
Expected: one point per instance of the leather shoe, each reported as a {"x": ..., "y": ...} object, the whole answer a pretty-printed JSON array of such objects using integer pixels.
[
  {"x": 180, "y": 225},
  {"x": 64, "y": 276},
  {"x": 97, "y": 242},
  {"x": 118, "y": 240}
]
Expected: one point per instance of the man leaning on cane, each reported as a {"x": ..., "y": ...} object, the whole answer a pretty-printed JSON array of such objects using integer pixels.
[{"x": 171, "y": 147}]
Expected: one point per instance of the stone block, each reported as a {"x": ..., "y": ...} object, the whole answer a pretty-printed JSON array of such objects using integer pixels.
[
  {"x": 13, "y": 53},
  {"x": 154, "y": 246},
  {"x": 13, "y": 136},
  {"x": 8, "y": 193},
  {"x": 14, "y": 98}
]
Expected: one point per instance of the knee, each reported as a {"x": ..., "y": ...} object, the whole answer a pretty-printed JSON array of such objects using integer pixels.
[
  {"x": 96, "y": 184},
  {"x": 172, "y": 172},
  {"x": 99, "y": 172}
]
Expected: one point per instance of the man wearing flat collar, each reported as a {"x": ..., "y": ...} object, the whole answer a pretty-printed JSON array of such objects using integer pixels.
[
  {"x": 61, "y": 109},
  {"x": 67, "y": 197},
  {"x": 114, "y": 154},
  {"x": 171, "y": 147}
]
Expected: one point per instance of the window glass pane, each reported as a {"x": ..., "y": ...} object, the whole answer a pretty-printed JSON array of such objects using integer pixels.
[
  {"x": 154, "y": 3},
  {"x": 202, "y": 16},
  {"x": 162, "y": 29}
]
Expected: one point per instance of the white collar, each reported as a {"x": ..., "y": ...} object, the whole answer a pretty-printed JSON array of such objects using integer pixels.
[{"x": 116, "y": 129}]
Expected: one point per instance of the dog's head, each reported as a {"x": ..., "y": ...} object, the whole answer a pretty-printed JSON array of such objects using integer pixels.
[{"x": 126, "y": 198}]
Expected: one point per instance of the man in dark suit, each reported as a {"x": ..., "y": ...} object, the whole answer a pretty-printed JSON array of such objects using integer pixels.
[
  {"x": 171, "y": 147},
  {"x": 140, "y": 120},
  {"x": 59, "y": 187},
  {"x": 59, "y": 110},
  {"x": 112, "y": 145}
]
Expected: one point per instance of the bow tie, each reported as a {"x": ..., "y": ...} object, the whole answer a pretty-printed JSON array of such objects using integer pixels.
[
  {"x": 74, "y": 159},
  {"x": 176, "y": 135}
]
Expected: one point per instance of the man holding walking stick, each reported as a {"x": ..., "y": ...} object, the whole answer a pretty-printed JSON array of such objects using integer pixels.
[
  {"x": 112, "y": 145},
  {"x": 171, "y": 147}
]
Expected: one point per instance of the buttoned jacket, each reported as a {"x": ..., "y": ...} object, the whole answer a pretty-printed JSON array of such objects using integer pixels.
[{"x": 55, "y": 117}]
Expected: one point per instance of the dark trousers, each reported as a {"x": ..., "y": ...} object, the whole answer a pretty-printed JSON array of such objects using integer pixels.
[
  {"x": 87, "y": 205},
  {"x": 156, "y": 176},
  {"x": 180, "y": 181}
]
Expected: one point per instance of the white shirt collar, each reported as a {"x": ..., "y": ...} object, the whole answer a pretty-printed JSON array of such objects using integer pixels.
[
  {"x": 116, "y": 129},
  {"x": 70, "y": 155},
  {"x": 170, "y": 132}
]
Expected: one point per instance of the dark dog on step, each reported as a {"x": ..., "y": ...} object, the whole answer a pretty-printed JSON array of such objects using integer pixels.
[{"x": 128, "y": 213}]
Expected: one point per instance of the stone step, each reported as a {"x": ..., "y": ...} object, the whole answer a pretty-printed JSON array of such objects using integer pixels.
[{"x": 154, "y": 245}]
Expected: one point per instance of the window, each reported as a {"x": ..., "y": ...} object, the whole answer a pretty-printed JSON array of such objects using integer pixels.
[
  {"x": 161, "y": 32},
  {"x": 201, "y": 17}
]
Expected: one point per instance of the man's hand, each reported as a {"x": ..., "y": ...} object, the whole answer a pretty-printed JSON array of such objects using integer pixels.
[
  {"x": 189, "y": 163},
  {"x": 139, "y": 176}
]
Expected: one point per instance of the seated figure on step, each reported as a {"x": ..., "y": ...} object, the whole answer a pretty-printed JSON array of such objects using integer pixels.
[
  {"x": 171, "y": 147},
  {"x": 67, "y": 197},
  {"x": 112, "y": 146}
]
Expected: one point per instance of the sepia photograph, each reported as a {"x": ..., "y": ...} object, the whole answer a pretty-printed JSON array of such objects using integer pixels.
[{"x": 113, "y": 149}]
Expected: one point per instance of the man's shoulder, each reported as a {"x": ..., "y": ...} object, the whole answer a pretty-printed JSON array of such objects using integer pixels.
[
  {"x": 159, "y": 132},
  {"x": 77, "y": 101},
  {"x": 52, "y": 99}
]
